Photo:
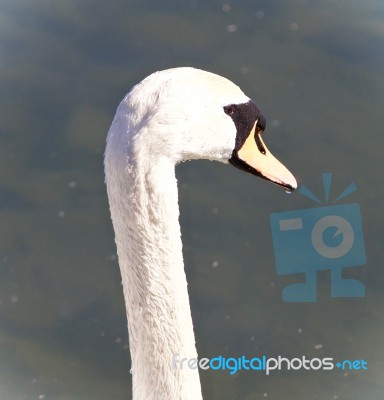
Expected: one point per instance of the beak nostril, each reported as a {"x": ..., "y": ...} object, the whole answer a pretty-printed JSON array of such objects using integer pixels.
[{"x": 259, "y": 143}]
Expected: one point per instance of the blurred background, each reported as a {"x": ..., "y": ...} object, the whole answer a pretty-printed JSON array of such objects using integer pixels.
[{"x": 315, "y": 69}]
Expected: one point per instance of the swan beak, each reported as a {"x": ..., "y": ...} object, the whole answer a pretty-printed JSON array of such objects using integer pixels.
[{"x": 254, "y": 157}]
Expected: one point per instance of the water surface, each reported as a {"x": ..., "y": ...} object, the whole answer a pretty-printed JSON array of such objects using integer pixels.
[{"x": 316, "y": 71}]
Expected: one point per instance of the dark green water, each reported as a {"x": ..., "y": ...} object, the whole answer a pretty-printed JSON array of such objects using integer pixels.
[{"x": 315, "y": 68}]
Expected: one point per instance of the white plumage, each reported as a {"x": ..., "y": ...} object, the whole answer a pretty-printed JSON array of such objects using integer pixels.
[{"x": 169, "y": 117}]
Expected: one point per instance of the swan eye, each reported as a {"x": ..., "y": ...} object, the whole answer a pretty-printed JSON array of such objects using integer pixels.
[{"x": 229, "y": 110}]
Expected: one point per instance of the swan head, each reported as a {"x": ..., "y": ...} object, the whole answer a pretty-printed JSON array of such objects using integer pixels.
[{"x": 187, "y": 113}]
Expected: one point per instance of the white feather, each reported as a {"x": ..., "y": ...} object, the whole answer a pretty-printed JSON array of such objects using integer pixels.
[{"x": 171, "y": 116}]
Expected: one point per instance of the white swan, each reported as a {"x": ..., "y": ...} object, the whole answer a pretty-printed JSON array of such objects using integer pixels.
[{"x": 171, "y": 116}]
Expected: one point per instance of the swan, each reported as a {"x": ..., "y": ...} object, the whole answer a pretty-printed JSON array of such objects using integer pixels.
[{"x": 171, "y": 116}]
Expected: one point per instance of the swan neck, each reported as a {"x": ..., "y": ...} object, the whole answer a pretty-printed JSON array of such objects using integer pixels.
[{"x": 144, "y": 207}]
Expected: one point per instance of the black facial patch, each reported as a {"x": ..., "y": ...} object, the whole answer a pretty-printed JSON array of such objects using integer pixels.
[{"x": 244, "y": 117}]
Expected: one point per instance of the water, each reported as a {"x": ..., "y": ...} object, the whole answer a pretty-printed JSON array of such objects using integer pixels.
[{"x": 315, "y": 71}]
